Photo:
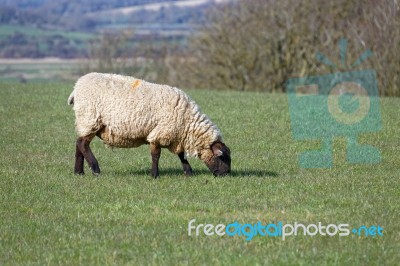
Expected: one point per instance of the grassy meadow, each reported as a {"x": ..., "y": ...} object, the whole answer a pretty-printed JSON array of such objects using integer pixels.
[
  {"x": 49, "y": 216},
  {"x": 39, "y": 70}
]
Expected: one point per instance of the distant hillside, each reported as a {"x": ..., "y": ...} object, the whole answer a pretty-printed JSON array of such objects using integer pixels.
[
  {"x": 91, "y": 15},
  {"x": 65, "y": 5},
  {"x": 40, "y": 28}
]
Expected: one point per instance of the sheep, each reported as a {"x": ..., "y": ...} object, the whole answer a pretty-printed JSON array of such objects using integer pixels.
[{"x": 126, "y": 112}]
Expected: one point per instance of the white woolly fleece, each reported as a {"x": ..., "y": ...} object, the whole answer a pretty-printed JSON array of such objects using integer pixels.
[{"x": 128, "y": 112}]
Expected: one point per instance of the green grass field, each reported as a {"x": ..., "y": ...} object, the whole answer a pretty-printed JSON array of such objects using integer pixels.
[
  {"x": 49, "y": 216},
  {"x": 39, "y": 71},
  {"x": 7, "y": 30}
]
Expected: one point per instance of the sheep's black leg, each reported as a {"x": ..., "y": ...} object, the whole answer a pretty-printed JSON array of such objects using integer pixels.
[
  {"x": 155, "y": 151},
  {"x": 78, "y": 161},
  {"x": 185, "y": 164},
  {"x": 83, "y": 144}
]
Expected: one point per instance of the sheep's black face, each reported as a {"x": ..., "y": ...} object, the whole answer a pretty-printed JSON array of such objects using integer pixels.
[{"x": 220, "y": 163}]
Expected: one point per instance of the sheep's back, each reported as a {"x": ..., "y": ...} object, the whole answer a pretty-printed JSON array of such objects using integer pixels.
[{"x": 129, "y": 108}]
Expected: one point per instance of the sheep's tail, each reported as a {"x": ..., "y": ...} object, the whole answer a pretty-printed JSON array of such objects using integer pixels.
[{"x": 71, "y": 98}]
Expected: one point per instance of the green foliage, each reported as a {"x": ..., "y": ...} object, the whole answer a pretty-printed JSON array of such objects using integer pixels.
[{"x": 50, "y": 216}]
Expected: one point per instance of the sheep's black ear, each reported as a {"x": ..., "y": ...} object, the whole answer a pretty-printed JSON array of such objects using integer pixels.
[{"x": 217, "y": 149}]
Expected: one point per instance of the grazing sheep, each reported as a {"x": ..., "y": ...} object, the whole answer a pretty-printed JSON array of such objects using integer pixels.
[{"x": 127, "y": 112}]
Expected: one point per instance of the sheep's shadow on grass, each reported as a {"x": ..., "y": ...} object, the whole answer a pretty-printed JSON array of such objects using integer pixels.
[
  {"x": 251, "y": 173},
  {"x": 198, "y": 172}
]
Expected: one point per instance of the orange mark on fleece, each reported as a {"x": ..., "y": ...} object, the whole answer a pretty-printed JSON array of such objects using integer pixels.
[{"x": 136, "y": 84}]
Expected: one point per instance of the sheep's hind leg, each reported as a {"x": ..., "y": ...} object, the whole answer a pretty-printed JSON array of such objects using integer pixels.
[
  {"x": 78, "y": 170},
  {"x": 185, "y": 164},
  {"x": 155, "y": 151},
  {"x": 83, "y": 145}
]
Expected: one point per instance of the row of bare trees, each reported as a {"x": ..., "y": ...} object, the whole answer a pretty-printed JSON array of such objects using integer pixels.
[
  {"x": 113, "y": 52},
  {"x": 256, "y": 45}
]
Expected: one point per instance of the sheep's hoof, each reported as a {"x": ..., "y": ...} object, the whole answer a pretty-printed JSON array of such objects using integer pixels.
[
  {"x": 80, "y": 173},
  {"x": 187, "y": 170},
  {"x": 96, "y": 171},
  {"x": 155, "y": 175},
  {"x": 188, "y": 173}
]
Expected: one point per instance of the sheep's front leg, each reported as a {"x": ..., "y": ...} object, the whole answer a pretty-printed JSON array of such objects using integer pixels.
[
  {"x": 185, "y": 164},
  {"x": 155, "y": 151},
  {"x": 84, "y": 150}
]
